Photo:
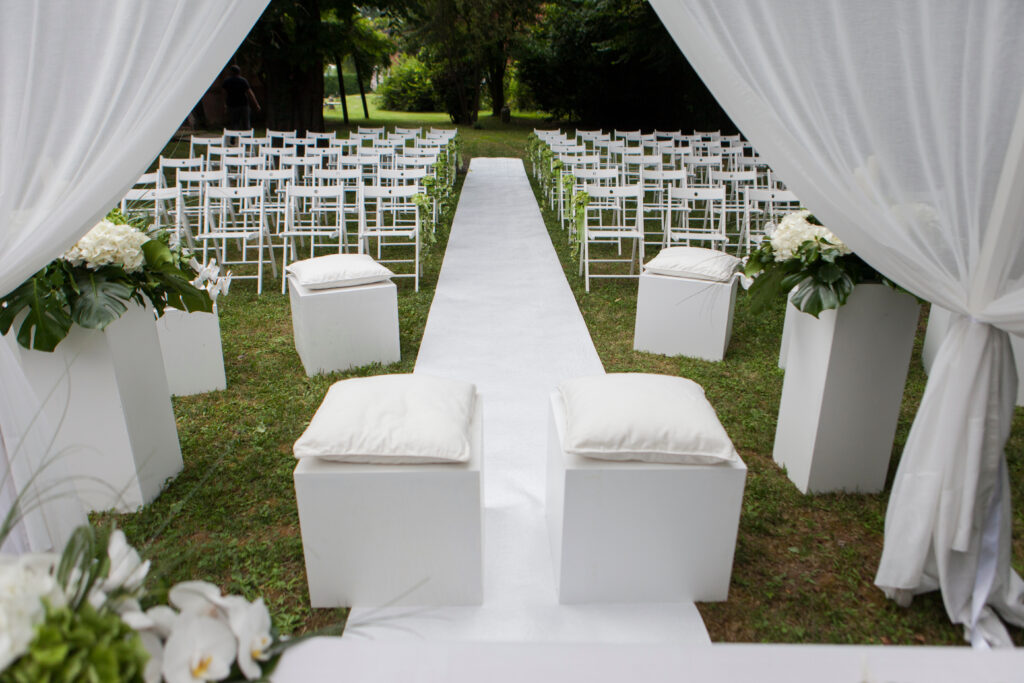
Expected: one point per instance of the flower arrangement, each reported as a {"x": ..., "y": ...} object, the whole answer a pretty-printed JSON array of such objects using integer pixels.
[
  {"x": 79, "y": 617},
  {"x": 92, "y": 283},
  {"x": 800, "y": 253}
]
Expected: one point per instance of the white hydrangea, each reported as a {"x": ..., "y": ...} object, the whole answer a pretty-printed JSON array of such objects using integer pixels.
[
  {"x": 24, "y": 581},
  {"x": 109, "y": 244},
  {"x": 794, "y": 229}
]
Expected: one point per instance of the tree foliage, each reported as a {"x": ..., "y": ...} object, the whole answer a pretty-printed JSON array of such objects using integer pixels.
[
  {"x": 612, "y": 64},
  {"x": 463, "y": 42},
  {"x": 289, "y": 46}
]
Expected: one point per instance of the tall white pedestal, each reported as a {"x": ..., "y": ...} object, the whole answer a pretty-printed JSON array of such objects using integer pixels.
[
  {"x": 376, "y": 535},
  {"x": 938, "y": 324},
  {"x": 192, "y": 352},
  {"x": 636, "y": 531},
  {"x": 845, "y": 373},
  {"x": 117, "y": 435},
  {"x": 342, "y": 328},
  {"x": 683, "y": 316}
]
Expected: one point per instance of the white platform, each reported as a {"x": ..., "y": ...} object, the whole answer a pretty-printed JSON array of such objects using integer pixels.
[
  {"x": 346, "y": 327},
  {"x": 192, "y": 352},
  {"x": 681, "y": 316},
  {"x": 635, "y": 531},
  {"x": 841, "y": 397},
  {"x": 321, "y": 659},
  {"x": 393, "y": 534},
  {"x": 108, "y": 394},
  {"x": 512, "y": 327}
]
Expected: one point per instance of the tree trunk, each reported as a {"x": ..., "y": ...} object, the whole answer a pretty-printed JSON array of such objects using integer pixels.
[
  {"x": 341, "y": 89},
  {"x": 496, "y": 68},
  {"x": 362, "y": 90}
]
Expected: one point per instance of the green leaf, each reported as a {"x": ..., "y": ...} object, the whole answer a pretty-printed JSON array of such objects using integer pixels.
[
  {"x": 180, "y": 291},
  {"x": 829, "y": 273},
  {"x": 101, "y": 300},
  {"x": 157, "y": 254},
  {"x": 46, "y": 321}
]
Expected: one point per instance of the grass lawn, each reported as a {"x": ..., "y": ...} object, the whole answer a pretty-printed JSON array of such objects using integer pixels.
[{"x": 804, "y": 565}]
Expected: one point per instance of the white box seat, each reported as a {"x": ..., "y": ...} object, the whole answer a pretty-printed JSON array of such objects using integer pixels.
[
  {"x": 345, "y": 327},
  {"x": 684, "y": 316},
  {"x": 410, "y": 535},
  {"x": 623, "y": 531}
]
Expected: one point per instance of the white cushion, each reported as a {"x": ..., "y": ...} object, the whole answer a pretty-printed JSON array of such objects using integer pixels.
[
  {"x": 694, "y": 262},
  {"x": 651, "y": 418},
  {"x": 338, "y": 270},
  {"x": 392, "y": 419}
]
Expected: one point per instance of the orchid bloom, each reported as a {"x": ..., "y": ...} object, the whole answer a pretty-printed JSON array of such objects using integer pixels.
[
  {"x": 201, "y": 648},
  {"x": 250, "y": 622}
]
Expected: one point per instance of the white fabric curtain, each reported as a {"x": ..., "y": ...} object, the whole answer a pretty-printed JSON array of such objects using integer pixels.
[
  {"x": 901, "y": 126},
  {"x": 90, "y": 91}
]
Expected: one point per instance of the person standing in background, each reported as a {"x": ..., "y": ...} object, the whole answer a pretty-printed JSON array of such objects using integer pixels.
[{"x": 239, "y": 95}]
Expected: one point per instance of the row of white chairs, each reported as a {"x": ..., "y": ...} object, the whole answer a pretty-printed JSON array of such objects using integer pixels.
[
  {"x": 242, "y": 214},
  {"x": 657, "y": 206}
]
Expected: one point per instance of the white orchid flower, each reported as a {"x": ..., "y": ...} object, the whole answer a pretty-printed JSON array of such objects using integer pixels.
[
  {"x": 127, "y": 570},
  {"x": 250, "y": 622},
  {"x": 163, "y": 618},
  {"x": 153, "y": 673},
  {"x": 24, "y": 582},
  {"x": 200, "y": 648},
  {"x": 198, "y": 598}
]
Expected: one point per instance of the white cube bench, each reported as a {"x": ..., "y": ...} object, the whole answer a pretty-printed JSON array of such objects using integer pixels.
[
  {"x": 680, "y": 316},
  {"x": 345, "y": 327},
  {"x": 408, "y": 535},
  {"x": 637, "y": 531},
  {"x": 191, "y": 348},
  {"x": 685, "y": 303}
]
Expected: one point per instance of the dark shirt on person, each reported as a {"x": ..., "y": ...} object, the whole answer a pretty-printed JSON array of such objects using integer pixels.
[{"x": 236, "y": 88}]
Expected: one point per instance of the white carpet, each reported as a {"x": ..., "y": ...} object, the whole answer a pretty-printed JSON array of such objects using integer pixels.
[{"x": 504, "y": 318}]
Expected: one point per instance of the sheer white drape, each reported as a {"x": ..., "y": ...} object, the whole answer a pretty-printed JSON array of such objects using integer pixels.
[
  {"x": 901, "y": 125},
  {"x": 90, "y": 90}
]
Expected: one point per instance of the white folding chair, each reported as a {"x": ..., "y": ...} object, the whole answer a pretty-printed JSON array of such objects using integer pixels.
[
  {"x": 313, "y": 213},
  {"x": 392, "y": 218},
  {"x": 237, "y": 214},
  {"x": 273, "y": 181},
  {"x": 614, "y": 214},
  {"x": 763, "y": 207},
  {"x": 350, "y": 180},
  {"x": 735, "y": 205},
  {"x": 193, "y": 186},
  {"x": 162, "y": 206},
  {"x": 696, "y": 215}
]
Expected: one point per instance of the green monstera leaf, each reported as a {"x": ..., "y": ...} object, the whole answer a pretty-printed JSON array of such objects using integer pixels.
[
  {"x": 100, "y": 300},
  {"x": 46, "y": 320}
]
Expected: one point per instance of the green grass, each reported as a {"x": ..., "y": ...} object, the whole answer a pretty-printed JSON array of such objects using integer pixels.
[{"x": 804, "y": 565}]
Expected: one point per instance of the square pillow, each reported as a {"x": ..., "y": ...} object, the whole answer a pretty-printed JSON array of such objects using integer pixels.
[
  {"x": 694, "y": 262},
  {"x": 392, "y": 420},
  {"x": 650, "y": 418},
  {"x": 338, "y": 270}
]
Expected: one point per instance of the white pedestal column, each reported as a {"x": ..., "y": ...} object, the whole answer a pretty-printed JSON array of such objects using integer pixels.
[
  {"x": 845, "y": 373},
  {"x": 108, "y": 394},
  {"x": 192, "y": 352}
]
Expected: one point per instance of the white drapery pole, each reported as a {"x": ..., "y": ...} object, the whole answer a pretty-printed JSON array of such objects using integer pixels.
[
  {"x": 91, "y": 91},
  {"x": 898, "y": 125}
]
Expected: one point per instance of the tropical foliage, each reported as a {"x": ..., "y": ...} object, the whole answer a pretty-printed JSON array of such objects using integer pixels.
[{"x": 93, "y": 282}]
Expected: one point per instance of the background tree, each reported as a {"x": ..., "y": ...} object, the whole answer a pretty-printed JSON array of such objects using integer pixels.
[
  {"x": 285, "y": 48},
  {"x": 507, "y": 22},
  {"x": 612, "y": 64}
]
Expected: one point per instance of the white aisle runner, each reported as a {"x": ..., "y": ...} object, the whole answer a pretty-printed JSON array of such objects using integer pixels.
[{"x": 504, "y": 318}]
